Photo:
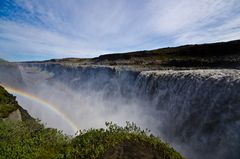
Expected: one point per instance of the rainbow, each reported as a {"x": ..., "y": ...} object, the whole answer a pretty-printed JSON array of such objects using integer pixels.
[{"x": 42, "y": 102}]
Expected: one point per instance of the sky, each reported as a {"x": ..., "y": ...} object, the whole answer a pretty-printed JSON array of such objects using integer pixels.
[{"x": 46, "y": 29}]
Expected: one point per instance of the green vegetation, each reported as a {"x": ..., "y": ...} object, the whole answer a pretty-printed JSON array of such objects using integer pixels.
[
  {"x": 7, "y": 103},
  {"x": 6, "y": 109},
  {"x": 95, "y": 143},
  {"x": 29, "y": 139}
]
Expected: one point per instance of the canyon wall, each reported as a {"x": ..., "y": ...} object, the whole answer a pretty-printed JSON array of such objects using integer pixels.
[{"x": 197, "y": 111}]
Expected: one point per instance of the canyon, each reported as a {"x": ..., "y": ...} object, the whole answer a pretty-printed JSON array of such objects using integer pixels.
[{"x": 190, "y": 100}]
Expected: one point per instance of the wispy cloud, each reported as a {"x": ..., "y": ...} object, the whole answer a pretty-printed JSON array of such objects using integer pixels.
[{"x": 88, "y": 28}]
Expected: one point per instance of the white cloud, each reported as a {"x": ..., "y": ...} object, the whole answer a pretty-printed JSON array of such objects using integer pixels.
[
  {"x": 186, "y": 14},
  {"x": 28, "y": 39},
  {"x": 89, "y": 28},
  {"x": 189, "y": 21}
]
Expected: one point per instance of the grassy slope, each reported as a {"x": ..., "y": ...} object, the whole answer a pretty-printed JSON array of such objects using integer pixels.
[
  {"x": 29, "y": 139},
  {"x": 9, "y": 104}
]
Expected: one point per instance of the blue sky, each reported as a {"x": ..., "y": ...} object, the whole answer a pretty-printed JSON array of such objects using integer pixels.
[{"x": 44, "y": 29}]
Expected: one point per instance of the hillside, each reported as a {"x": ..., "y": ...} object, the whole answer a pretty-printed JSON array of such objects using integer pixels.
[
  {"x": 28, "y": 138},
  {"x": 215, "y": 55},
  {"x": 9, "y": 108}
]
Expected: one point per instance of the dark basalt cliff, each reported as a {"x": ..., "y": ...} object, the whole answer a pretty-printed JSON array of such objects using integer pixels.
[{"x": 216, "y": 55}]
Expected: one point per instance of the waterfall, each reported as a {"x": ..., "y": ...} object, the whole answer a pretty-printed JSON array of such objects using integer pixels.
[
  {"x": 197, "y": 111},
  {"x": 201, "y": 109}
]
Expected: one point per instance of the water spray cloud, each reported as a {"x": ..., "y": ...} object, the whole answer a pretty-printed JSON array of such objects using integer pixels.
[{"x": 44, "y": 103}]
